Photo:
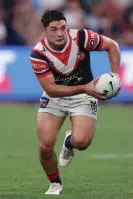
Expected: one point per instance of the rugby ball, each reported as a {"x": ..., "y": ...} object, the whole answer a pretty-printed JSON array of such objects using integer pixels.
[{"x": 108, "y": 84}]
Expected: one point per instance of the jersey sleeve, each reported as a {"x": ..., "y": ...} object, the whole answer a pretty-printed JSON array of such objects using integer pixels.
[
  {"x": 39, "y": 64},
  {"x": 89, "y": 40}
]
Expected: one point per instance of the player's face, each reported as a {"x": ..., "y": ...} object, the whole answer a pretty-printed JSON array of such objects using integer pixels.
[{"x": 56, "y": 34}]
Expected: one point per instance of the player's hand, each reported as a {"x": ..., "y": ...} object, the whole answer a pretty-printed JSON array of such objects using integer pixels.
[
  {"x": 92, "y": 91},
  {"x": 117, "y": 75}
]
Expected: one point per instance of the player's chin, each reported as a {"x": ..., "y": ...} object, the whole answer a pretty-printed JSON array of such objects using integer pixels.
[{"x": 60, "y": 43}]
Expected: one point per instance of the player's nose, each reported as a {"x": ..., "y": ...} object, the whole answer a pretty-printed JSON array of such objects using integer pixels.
[{"x": 60, "y": 33}]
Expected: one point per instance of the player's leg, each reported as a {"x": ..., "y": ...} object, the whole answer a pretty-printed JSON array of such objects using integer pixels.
[
  {"x": 48, "y": 126},
  {"x": 83, "y": 130},
  {"x": 83, "y": 118}
]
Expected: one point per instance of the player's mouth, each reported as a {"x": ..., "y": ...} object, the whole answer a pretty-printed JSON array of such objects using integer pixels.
[{"x": 60, "y": 40}]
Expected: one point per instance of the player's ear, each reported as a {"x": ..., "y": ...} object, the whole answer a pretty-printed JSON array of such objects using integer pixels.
[{"x": 43, "y": 30}]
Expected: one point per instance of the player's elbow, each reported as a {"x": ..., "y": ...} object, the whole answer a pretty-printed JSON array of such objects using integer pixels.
[
  {"x": 110, "y": 44},
  {"x": 113, "y": 46}
]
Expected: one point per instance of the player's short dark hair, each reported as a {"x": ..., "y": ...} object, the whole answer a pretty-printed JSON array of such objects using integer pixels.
[{"x": 51, "y": 15}]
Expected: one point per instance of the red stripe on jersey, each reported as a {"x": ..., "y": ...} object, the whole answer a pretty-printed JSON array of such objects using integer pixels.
[
  {"x": 92, "y": 40},
  {"x": 44, "y": 74},
  {"x": 62, "y": 56}
]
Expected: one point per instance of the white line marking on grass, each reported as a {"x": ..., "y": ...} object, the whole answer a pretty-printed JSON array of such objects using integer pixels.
[{"x": 111, "y": 156}]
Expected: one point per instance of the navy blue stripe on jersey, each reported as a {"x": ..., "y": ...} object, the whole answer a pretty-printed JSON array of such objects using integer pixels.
[
  {"x": 37, "y": 55},
  {"x": 99, "y": 43},
  {"x": 82, "y": 40}
]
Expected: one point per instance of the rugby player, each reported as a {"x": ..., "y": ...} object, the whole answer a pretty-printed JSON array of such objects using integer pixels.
[{"x": 61, "y": 62}]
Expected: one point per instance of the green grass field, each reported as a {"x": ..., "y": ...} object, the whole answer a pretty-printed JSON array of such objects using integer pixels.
[{"x": 104, "y": 171}]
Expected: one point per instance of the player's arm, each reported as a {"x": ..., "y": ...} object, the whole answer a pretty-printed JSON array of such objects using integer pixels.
[
  {"x": 54, "y": 90},
  {"x": 113, "y": 50},
  {"x": 47, "y": 81},
  {"x": 91, "y": 41}
]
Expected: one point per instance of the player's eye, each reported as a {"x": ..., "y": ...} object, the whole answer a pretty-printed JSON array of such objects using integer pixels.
[
  {"x": 63, "y": 28},
  {"x": 53, "y": 30}
]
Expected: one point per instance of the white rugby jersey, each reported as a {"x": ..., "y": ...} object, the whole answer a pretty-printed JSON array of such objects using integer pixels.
[{"x": 71, "y": 65}]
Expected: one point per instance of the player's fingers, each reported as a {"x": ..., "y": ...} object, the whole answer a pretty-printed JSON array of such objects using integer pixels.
[
  {"x": 99, "y": 97},
  {"x": 102, "y": 98},
  {"x": 97, "y": 92}
]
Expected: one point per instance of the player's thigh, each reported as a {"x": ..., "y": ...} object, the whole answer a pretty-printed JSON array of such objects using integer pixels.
[
  {"x": 48, "y": 126},
  {"x": 83, "y": 129}
]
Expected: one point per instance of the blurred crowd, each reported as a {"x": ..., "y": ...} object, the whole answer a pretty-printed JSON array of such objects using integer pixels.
[{"x": 20, "y": 19}]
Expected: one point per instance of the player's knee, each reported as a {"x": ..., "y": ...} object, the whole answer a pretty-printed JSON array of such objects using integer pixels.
[
  {"x": 82, "y": 143},
  {"x": 46, "y": 145},
  {"x": 45, "y": 150}
]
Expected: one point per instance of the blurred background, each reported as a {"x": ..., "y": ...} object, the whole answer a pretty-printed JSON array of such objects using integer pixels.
[
  {"x": 106, "y": 168},
  {"x": 20, "y": 19}
]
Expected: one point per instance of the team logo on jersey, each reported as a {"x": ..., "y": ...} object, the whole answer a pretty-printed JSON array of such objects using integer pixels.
[
  {"x": 51, "y": 65},
  {"x": 92, "y": 42},
  {"x": 80, "y": 56},
  {"x": 44, "y": 102}
]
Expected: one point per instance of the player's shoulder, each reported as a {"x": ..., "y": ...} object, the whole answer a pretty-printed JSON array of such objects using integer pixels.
[
  {"x": 87, "y": 32},
  {"x": 38, "y": 47},
  {"x": 37, "y": 52},
  {"x": 74, "y": 33}
]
